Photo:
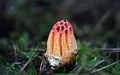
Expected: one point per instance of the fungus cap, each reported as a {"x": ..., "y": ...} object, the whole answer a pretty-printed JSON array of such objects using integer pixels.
[{"x": 61, "y": 44}]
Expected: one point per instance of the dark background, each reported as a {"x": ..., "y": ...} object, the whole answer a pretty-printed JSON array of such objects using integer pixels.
[
  {"x": 93, "y": 20},
  {"x": 28, "y": 22}
]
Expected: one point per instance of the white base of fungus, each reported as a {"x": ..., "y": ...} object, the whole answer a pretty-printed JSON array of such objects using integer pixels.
[{"x": 54, "y": 61}]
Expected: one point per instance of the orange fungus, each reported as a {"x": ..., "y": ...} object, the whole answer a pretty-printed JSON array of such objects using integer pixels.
[{"x": 61, "y": 44}]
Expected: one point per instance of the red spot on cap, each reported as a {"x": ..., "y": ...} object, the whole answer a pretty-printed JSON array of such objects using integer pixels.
[{"x": 62, "y": 26}]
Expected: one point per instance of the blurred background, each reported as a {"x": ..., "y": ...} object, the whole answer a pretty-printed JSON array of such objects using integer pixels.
[{"x": 28, "y": 22}]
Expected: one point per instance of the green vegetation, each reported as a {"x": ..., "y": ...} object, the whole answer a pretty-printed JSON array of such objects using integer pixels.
[
  {"x": 26, "y": 61},
  {"x": 25, "y": 26}
]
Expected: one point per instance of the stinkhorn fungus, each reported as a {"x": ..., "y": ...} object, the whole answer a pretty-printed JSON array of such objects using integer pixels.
[{"x": 61, "y": 44}]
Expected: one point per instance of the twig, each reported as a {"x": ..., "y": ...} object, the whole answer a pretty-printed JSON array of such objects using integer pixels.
[
  {"x": 105, "y": 67},
  {"x": 15, "y": 49},
  {"x": 75, "y": 69},
  {"x": 105, "y": 49},
  {"x": 41, "y": 66},
  {"x": 98, "y": 63},
  {"x": 18, "y": 64},
  {"x": 103, "y": 19},
  {"x": 28, "y": 49},
  {"x": 117, "y": 56},
  {"x": 108, "y": 49},
  {"x": 30, "y": 59},
  {"x": 26, "y": 64}
]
